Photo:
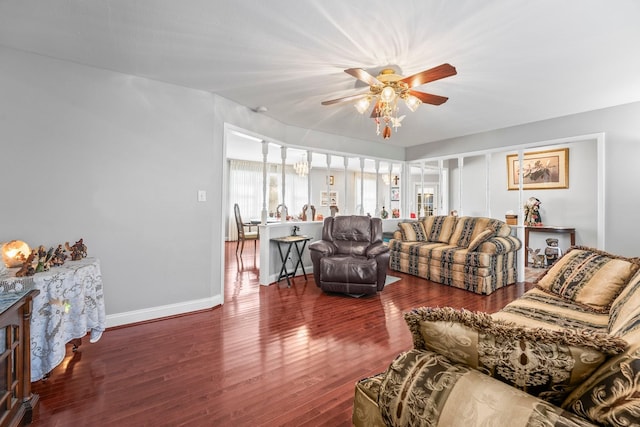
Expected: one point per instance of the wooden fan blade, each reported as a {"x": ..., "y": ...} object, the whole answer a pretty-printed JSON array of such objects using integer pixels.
[
  {"x": 361, "y": 74},
  {"x": 428, "y": 98},
  {"x": 344, "y": 99},
  {"x": 436, "y": 73},
  {"x": 375, "y": 112}
]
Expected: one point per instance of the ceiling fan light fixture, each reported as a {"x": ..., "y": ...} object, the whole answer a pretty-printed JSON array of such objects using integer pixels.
[
  {"x": 386, "y": 132},
  {"x": 412, "y": 103},
  {"x": 387, "y": 94},
  {"x": 387, "y": 88},
  {"x": 363, "y": 104}
]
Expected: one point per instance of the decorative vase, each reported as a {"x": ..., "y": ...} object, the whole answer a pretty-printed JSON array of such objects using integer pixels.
[{"x": 384, "y": 214}]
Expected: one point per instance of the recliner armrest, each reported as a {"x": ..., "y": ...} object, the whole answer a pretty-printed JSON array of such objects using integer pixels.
[
  {"x": 376, "y": 249},
  {"x": 324, "y": 247}
]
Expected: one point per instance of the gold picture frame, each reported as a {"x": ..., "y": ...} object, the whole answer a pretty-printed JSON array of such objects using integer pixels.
[{"x": 543, "y": 170}]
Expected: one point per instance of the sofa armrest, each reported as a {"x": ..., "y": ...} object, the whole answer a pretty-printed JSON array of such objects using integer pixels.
[
  {"x": 500, "y": 245},
  {"x": 458, "y": 392},
  {"x": 376, "y": 249},
  {"x": 323, "y": 247}
]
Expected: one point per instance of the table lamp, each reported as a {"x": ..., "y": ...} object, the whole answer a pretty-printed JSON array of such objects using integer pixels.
[{"x": 14, "y": 253}]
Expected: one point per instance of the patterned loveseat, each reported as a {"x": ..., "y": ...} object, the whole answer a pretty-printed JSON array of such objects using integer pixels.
[
  {"x": 566, "y": 353},
  {"x": 473, "y": 253}
]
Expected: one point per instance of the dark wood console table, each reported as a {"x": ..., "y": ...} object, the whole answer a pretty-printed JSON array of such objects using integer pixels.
[
  {"x": 17, "y": 403},
  {"x": 547, "y": 229}
]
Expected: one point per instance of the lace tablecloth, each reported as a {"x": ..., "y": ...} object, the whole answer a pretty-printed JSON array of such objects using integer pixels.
[{"x": 70, "y": 305}]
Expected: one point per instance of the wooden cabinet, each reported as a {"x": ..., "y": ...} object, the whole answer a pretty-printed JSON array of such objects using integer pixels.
[{"x": 17, "y": 403}]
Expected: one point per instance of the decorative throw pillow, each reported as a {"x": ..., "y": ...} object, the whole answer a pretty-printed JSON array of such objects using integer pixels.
[
  {"x": 441, "y": 228},
  {"x": 589, "y": 276},
  {"x": 624, "y": 313},
  {"x": 545, "y": 363},
  {"x": 480, "y": 239},
  {"x": 467, "y": 228},
  {"x": 610, "y": 397},
  {"x": 413, "y": 231}
]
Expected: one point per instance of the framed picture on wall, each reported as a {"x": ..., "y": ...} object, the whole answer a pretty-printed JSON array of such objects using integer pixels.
[
  {"x": 333, "y": 198},
  {"x": 328, "y": 199},
  {"x": 395, "y": 194},
  {"x": 540, "y": 170}
]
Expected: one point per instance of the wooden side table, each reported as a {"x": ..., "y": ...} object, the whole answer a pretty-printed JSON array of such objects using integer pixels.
[{"x": 546, "y": 229}]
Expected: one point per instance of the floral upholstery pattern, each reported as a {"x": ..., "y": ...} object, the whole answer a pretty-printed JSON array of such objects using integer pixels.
[
  {"x": 611, "y": 396},
  {"x": 545, "y": 363},
  {"x": 365, "y": 403},
  {"x": 579, "y": 365},
  {"x": 423, "y": 388}
]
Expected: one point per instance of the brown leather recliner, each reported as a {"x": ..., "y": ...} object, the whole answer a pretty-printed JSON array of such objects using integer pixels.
[{"x": 351, "y": 257}]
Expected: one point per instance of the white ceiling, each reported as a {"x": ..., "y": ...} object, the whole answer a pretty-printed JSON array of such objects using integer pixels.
[{"x": 518, "y": 61}]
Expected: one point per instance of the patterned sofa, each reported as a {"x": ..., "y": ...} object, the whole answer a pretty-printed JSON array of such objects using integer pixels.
[
  {"x": 566, "y": 353},
  {"x": 473, "y": 253}
]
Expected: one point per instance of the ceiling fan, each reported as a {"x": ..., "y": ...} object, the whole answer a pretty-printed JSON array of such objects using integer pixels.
[{"x": 388, "y": 87}]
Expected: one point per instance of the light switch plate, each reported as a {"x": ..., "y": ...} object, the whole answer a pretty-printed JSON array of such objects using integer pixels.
[{"x": 202, "y": 195}]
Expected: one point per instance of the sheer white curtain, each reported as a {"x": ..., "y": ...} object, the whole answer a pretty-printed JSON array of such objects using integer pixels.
[
  {"x": 369, "y": 189},
  {"x": 245, "y": 189},
  {"x": 295, "y": 191}
]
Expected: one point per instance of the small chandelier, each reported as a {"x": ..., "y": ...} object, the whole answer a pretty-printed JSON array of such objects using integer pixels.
[
  {"x": 302, "y": 166},
  {"x": 385, "y": 113}
]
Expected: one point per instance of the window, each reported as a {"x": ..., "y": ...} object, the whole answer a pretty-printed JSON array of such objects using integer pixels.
[
  {"x": 245, "y": 178},
  {"x": 368, "y": 189}
]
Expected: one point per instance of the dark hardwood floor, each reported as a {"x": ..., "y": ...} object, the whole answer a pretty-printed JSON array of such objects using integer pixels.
[{"x": 269, "y": 356}]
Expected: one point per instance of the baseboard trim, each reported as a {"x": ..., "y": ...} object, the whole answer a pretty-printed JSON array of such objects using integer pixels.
[{"x": 137, "y": 316}]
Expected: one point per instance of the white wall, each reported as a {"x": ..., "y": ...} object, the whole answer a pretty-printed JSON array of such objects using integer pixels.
[
  {"x": 474, "y": 187},
  {"x": 118, "y": 160},
  {"x": 575, "y": 206},
  {"x": 622, "y": 147}
]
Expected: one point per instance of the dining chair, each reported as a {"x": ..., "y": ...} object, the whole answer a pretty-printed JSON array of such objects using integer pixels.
[{"x": 242, "y": 234}]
